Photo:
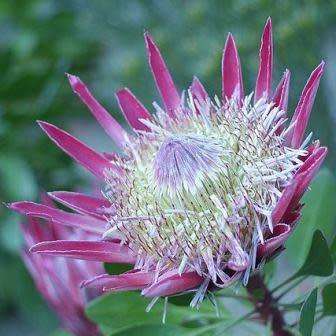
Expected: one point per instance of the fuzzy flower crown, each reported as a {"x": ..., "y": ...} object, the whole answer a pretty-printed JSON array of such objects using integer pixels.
[{"x": 204, "y": 192}]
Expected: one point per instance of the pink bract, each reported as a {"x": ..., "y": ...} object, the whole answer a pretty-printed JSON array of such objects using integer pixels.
[{"x": 58, "y": 280}]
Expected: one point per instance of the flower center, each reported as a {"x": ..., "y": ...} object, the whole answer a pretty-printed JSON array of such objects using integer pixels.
[
  {"x": 199, "y": 193},
  {"x": 184, "y": 163}
]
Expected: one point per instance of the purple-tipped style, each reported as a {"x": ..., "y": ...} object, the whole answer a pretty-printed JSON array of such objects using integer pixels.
[
  {"x": 205, "y": 190},
  {"x": 59, "y": 280}
]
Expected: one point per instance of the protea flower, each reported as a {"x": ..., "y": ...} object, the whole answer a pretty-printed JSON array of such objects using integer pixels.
[
  {"x": 205, "y": 190},
  {"x": 58, "y": 280}
]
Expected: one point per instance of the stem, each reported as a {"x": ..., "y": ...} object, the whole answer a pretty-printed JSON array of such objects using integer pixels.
[{"x": 266, "y": 305}]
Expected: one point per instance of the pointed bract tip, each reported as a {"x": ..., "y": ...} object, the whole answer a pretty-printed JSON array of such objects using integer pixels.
[
  {"x": 48, "y": 127},
  {"x": 197, "y": 89},
  {"x": 150, "y": 44},
  {"x": 36, "y": 248},
  {"x": 286, "y": 76},
  {"x": 320, "y": 67},
  {"x": 121, "y": 91},
  {"x": 72, "y": 78},
  {"x": 74, "y": 81},
  {"x": 229, "y": 43},
  {"x": 41, "y": 122},
  {"x": 23, "y": 207},
  {"x": 148, "y": 38},
  {"x": 195, "y": 80},
  {"x": 32, "y": 249},
  {"x": 324, "y": 151},
  {"x": 13, "y": 206},
  {"x": 44, "y": 125},
  {"x": 268, "y": 27},
  {"x": 229, "y": 38}
]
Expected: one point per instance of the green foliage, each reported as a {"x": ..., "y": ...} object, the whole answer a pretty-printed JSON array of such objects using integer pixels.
[
  {"x": 329, "y": 302},
  {"x": 307, "y": 314},
  {"x": 318, "y": 261},
  {"x": 318, "y": 213},
  {"x": 115, "y": 269},
  {"x": 181, "y": 300},
  {"x": 119, "y": 311}
]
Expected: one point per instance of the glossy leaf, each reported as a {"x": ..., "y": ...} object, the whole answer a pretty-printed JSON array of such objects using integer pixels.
[
  {"x": 318, "y": 213},
  {"x": 307, "y": 314},
  {"x": 117, "y": 311},
  {"x": 181, "y": 300},
  {"x": 329, "y": 296},
  {"x": 114, "y": 269},
  {"x": 318, "y": 261}
]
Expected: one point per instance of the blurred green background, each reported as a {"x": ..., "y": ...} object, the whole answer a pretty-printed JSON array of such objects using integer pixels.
[{"x": 101, "y": 41}]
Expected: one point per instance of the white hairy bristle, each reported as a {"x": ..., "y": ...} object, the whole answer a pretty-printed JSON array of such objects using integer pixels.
[{"x": 199, "y": 190}]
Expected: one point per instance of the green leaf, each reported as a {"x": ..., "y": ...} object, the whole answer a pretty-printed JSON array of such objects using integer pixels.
[
  {"x": 152, "y": 330},
  {"x": 307, "y": 314},
  {"x": 317, "y": 213},
  {"x": 181, "y": 300},
  {"x": 122, "y": 310},
  {"x": 328, "y": 296},
  {"x": 318, "y": 261},
  {"x": 117, "y": 311},
  {"x": 114, "y": 269},
  {"x": 333, "y": 250}
]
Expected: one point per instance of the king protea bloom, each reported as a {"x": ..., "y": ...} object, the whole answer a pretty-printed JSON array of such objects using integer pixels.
[
  {"x": 205, "y": 190},
  {"x": 59, "y": 280}
]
